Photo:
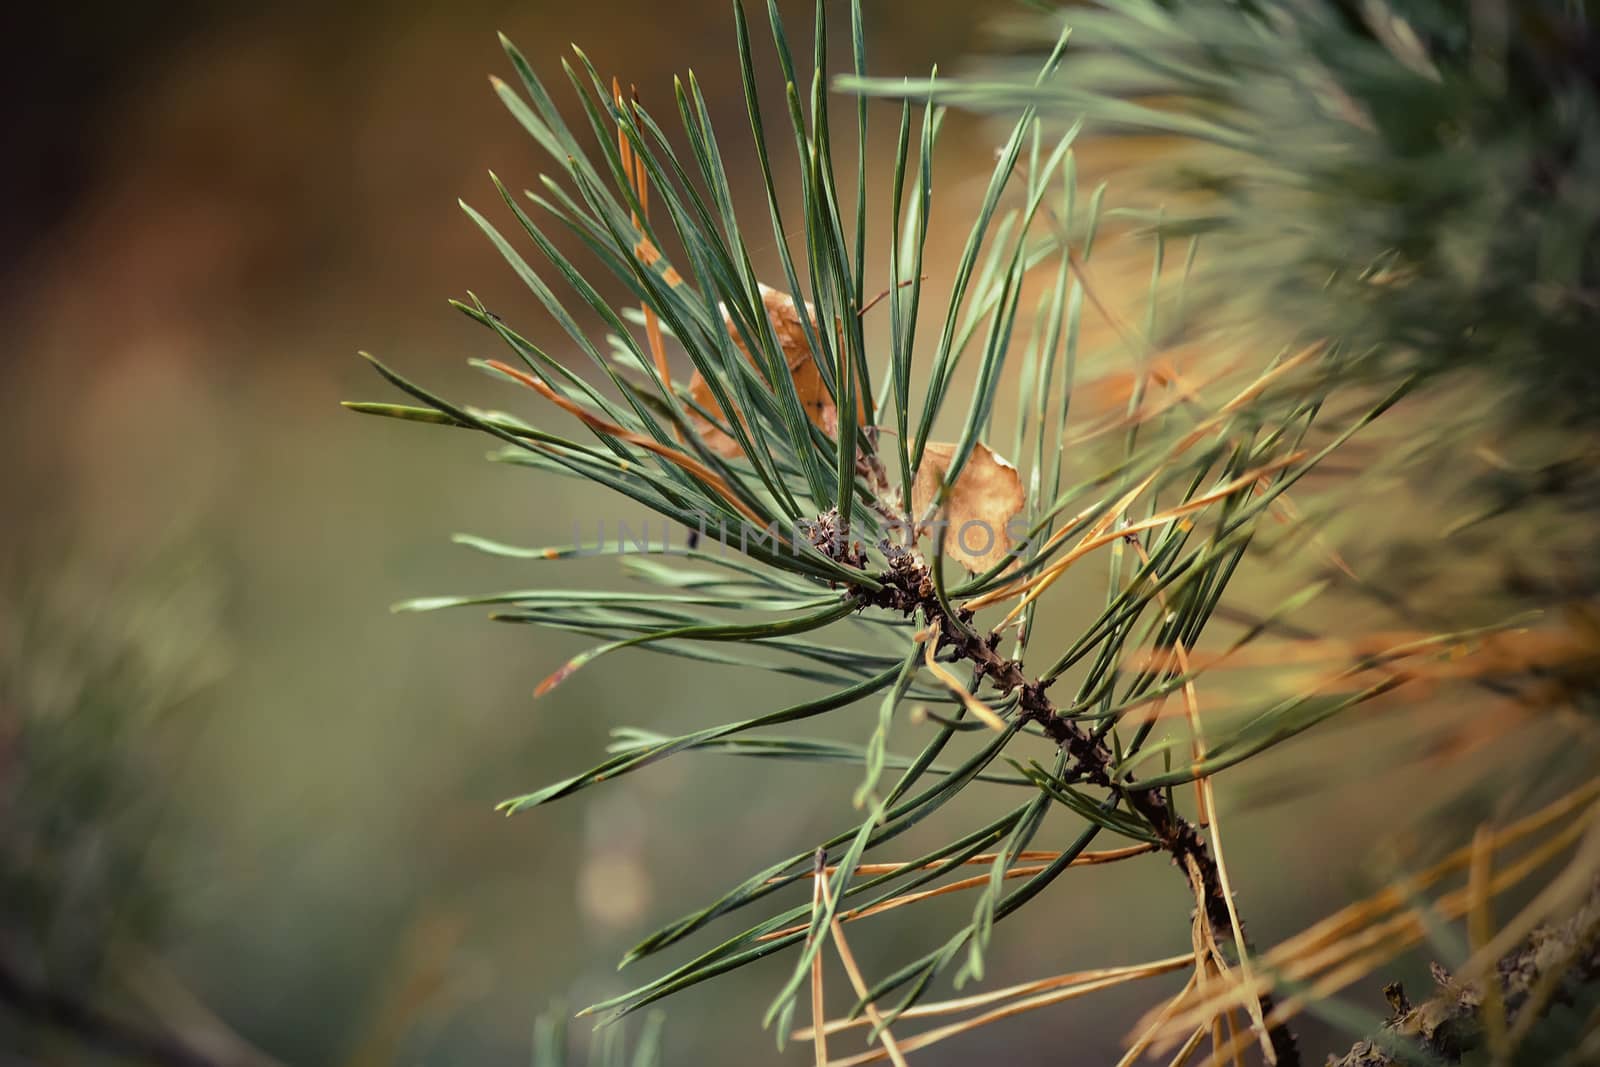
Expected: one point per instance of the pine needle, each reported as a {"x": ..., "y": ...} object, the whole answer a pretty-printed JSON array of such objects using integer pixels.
[
  {"x": 1563, "y": 891},
  {"x": 1207, "y": 801},
  {"x": 1350, "y": 944},
  {"x": 978, "y": 708},
  {"x": 1088, "y": 859},
  {"x": 1022, "y": 989},
  {"x": 819, "y": 1009},
  {"x": 710, "y": 477},
  {"x": 983, "y": 859},
  {"x": 1208, "y": 810},
  {"x": 1153, "y": 1029},
  {"x": 1018, "y": 1007},
  {"x": 634, "y": 167},
  {"x": 1032, "y": 587},
  {"x": 857, "y": 982},
  {"x": 1188, "y": 1047},
  {"x": 976, "y": 882},
  {"x": 1480, "y": 931}
]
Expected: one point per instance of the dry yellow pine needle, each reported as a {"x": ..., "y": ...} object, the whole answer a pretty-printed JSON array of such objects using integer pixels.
[
  {"x": 1252, "y": 1003},
  {"x": 1351, "y": 943},
  {"x": 1018, "y": 1007},
  {"x": 1208, "y": 816},
  {"x": 819, "y": 1009},
  {"x": 1095, "y": 535},
  {"x": 633, "y": 167},
  {"x": 1562, "y": 892},
  {"x": 1228, "y": 1022},
  {"x": 1409, "y": 929},
  {"x": 1363, "y": 912},
  {"x": 1377, "y": 946},
  {"x": 857, "y": 982},
  {"x": 1188, "y": 1047},
  {"x": 1151, "y": 1031},
  {"x": 912, "y": 898},
  {"x": 1197, "y": 434},
  {"x": 981, "y": 711},
  {"x": 1010, "y": 590},
  {"x": 650, "y": 255},
  {"x": 1127, "y": 973},
  {"x": 1339, "y": 928},
  {"x": 1480, "y": 931},
  {"x": 1102, "y": 534}
]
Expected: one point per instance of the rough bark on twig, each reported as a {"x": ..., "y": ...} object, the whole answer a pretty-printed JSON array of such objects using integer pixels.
[
  {"x": 1450, "y": 1025},
  {"x": 908, "y": 587}
]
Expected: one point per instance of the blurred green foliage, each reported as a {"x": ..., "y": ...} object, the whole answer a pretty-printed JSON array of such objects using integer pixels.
[
  {"x": 240, "y": 198},
  {"x": 102, "y": 677}
]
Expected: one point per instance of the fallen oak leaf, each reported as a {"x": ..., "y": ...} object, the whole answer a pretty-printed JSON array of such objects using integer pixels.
[{"x": 986, "y": 496}]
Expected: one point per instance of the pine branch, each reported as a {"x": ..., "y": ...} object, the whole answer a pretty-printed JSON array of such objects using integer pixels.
[
  {"x": 907, "y": 587},
  {"x": 1554, "y": 965},
  {"x": 779, "y": 432}
]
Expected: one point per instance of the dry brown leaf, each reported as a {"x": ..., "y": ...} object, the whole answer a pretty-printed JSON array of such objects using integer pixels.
[
  {"x": 808, "y": 384},
  {"x": 986, "y": 497}
]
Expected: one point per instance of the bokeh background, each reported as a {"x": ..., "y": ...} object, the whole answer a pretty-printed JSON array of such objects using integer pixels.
[{"x": 275, "y": 835}]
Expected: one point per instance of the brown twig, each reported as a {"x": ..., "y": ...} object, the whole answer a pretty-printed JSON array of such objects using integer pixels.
[
  {"x": 1354, "y": 942},
  {"x": 1459, "y": 1018},
  {"x": 908, "y": 587}
]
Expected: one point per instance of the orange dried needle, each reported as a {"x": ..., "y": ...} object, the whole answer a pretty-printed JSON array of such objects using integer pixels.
[
  {"x": 671, "y": 455},
  {"x": 819, "y": 1014},
  {"x": 981, "y": 711},
  {"x": 1207, "y": 800},
  {"x": 857, "y": 982},
  {"x": 1085, "y": 981},
  {"x": 633, "y": 167}
]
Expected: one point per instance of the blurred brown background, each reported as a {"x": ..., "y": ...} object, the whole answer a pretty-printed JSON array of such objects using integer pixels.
[{"x": 206, "y": 210}]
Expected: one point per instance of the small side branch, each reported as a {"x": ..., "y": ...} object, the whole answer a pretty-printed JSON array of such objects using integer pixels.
[{"x": 1557, "y": 962}]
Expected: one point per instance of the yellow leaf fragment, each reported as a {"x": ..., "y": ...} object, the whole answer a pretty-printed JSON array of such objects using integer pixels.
[{"x": 986, "y": 497}]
